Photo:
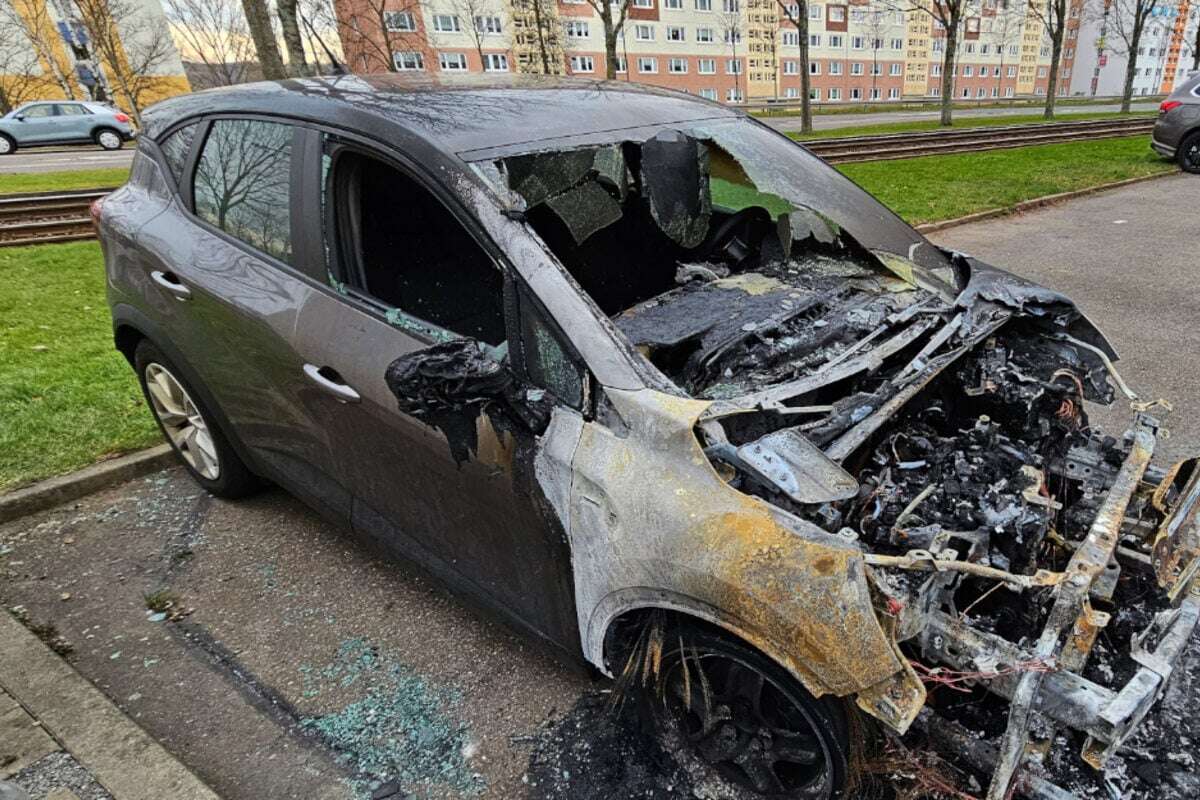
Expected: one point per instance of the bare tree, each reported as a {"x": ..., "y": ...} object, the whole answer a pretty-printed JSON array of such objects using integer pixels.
[
  {"x": 876, "y": 21},
  {"x": 320, "y": 26},
  {"x": 797, "y": 14},
  {"x": 475, "y": 15},
  {"x": 540, "y": 31},
  {"x": 1053, "y": 16},
  {"x": 1196, "y": 48},
  {"x": 731, "y": 29},
  {"x": 132, "y": 46},
  {"x": 289, "y": 22},
  {"x": 38, "y": 26},
  {"x": 258, "y": 17},
  {"x": 950, "y": 15},
  {"x": 21, "y": 77},
  {"x": 215, "y": 33},
  {"x": 1127, "y": 19},
  {"x": 1009, "y": 22},
  {"x": 374, "y": 30},
  {"x": 612, "y": 19}
]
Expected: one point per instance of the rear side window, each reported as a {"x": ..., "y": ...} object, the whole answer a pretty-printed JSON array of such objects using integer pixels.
[
  {"x": 175, "y": 149},
  {"x": 72, "y": 110},
  {"x": 242, "y": 182}
]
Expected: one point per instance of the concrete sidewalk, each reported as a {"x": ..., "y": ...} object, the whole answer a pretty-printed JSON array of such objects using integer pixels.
[{"x": 62, "y": 739}]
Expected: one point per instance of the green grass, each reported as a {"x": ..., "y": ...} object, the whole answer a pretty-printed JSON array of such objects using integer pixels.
[
  {"x": 934, "y": 188},
  {"x": 11, "y": 182},
  {"x": 67, "y": 398},
  {"x": 927, "y": 104},
  {"x": 959, "y": 122}
]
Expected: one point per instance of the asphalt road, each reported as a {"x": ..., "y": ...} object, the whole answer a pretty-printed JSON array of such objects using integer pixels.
[
  {"x": 55, "y": 159},
  {"x": 294, "y": 633},
  {"x": 830, "y": 121}
]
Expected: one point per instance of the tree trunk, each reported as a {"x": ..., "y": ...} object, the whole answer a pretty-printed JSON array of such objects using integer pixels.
[
  {"x": 290, "y": 24},
  {"x": 610, "y": 43},
  {"x": 805, "y": 78},
  {"x": 1196, "y": 50},
  {"x": 541, "y": 34},
  {"x": 1130, "y": 73},
  {"x": 1052, "y": 81},
  {"x": 259, "y": 21},
  {"x": 947, "y": 117}
]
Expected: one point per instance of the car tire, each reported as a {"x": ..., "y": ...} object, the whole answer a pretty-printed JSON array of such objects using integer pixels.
[
  {"x": 190, "y": 427},
  {"x": 8, "y": 145},
  {"x": 108, "y": 138},
  {"x": 791, "y": 725},
  {"x": 1188, "y": 154}
]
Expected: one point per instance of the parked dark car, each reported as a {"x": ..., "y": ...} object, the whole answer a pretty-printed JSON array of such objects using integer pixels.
[
  {"x": 66, "y": 122},
  {"x": 667, "y": 391},
  {"x": 1177, "y": 131}
]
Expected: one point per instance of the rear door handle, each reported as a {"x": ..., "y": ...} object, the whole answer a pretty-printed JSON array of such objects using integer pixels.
[
  {"x": 328, "y": 380},
  {"x": 170, "y": 282}
]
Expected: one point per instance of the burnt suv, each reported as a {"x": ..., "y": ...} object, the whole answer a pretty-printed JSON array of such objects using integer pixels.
[{"x": 664, "y": 389}]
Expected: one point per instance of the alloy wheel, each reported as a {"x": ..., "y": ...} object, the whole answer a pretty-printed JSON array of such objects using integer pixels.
[
  {"x": 109, "y": 140},
  {"x": 740, "y": 722},
  {"x": 182, "y": 421},
  {"x": 5, "y": 146}
]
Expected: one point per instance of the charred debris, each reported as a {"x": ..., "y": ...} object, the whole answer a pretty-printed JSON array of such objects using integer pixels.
[{"x": 929, "y": 409}]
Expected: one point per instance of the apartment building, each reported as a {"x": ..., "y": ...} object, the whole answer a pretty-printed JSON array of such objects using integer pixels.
[
  {"x": 726, "y": 50},
  {"x": 1164, "y": 56}
]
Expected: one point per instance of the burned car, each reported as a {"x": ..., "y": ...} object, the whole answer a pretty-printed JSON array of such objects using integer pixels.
[{"x": 662, "y": 388}]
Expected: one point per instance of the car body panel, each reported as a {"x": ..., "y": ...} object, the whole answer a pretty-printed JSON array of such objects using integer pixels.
[{"x": 1179, "y": 122}]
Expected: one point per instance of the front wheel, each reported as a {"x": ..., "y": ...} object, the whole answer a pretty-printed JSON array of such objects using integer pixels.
[
  {"x": 746, "y": 718},
  {"x": 189, "y": 427},
  {"x": 109, "y": 139},
  {"x": 1189, "y": 154}
]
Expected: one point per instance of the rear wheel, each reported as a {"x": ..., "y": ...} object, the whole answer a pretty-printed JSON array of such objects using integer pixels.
[
  {"x": 1189, "y": 153},
  {"x": 189, "y": 427},
  {"x": 747, "y": 719},
  {"x": 7, "y": 144},
  {"x": 109, "y": 139}
]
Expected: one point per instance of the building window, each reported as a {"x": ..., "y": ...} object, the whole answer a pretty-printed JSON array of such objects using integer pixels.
[
  {"x": 621, "y": 64},
  {"x": 837, "y": 13},
  {"x": 642, "y": 3},
  {"x": 876, "y": 68},
  {"x": 446, "y": 23},
  {"x": 495, "y": 62},
  {"x": 1012, "y": 72},
  {"x": 733, "y": 37},
  {"x": 970, "y": 48},
  {"x": 401, "y": 21},
  {"x": 856, "y": 93},
  {"x": 985, "y": 48},
  {"x": 704, "y": 35},
  {"x": 856, "y": 68},
  {"x": 835, "y": 68},
  {"x": 673, "y": 5},
  {"x": 1042, "y": 72},
  {"x": 643, "y": 33},
  {"x": 875, "y": 93},
  {"x": 897, "y": 44},
  {"x": 677, "y": 66},
  {"x": 576, "y": 29},
  {"x": 857, "y": 42},
  {"x": 835, "y": 40},
  {"x": 814, "y": 68},
  {"x": 835, "y": 94},
  {"x": 894, "y": 93},
  {"x": 935, "y": 70},
  {"x": 968, "y": 70},
  {"x": 733, "y": 66},
  {"x": 489, "y": 25},
  {"x": 706, "y": 66},
  {"x": 966, "y": 91},
  {"x": 704, "y": 5},
  {"x": 453, "y": 62},
  {"x": 708, "y": 94},
  {"x": 791, "y": 93},
  {"x": 939, "y": 45},
  {"x": 790, "y": 39},
  {"x": 731, "y": 6},
  {"x": 935, "y": 92},
  {"x": 583, "y": 64},
  {"x": 791, "y": 67},
  {"x": 675, "y": 33},
  {"x": 734, "y": 95},
  {"x": 647, "y": 65},
  {"x": 981, "y": 92},
  {"x": 816, "y": 12},
  {"x": 895, "y": 70},
  {"x": 983, "y": 72},
  {"x": 408, "y": 61},
  {"x": 814, "y": 40}
]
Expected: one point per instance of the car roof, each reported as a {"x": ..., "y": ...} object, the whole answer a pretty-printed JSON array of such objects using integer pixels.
[{"x": 459, "y": 113}]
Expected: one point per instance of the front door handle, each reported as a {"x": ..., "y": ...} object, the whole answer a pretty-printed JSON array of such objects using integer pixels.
[
  {"x": 331, "y": 383},
  {"x": 170, "y": 282}
]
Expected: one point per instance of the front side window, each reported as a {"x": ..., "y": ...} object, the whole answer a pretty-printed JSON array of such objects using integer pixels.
[
  {"x": 38, "y": 111},
  {"x": 399, "y": 249},
  {"x": 242, "y": 183}
]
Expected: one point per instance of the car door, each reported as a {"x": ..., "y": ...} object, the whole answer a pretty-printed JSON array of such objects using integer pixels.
[
  {"x": 36, "y": 123},
  {"x": 74, "y": 121},
  {"x": 455, "y": 493},
  {"x": 221, "y": 260}
]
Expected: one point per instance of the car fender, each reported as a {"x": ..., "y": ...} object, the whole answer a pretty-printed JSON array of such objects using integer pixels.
[{"x": 652, "y": 524}]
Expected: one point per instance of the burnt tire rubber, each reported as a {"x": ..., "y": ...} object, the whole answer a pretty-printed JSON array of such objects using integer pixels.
[
  {"x": 175, "y": 404},
  {"x": 1188, "y": 154},
  {"x": 759, "y": 729},
  {"x": 108, "y": 138},
  {"x": 8, "y": 145}
]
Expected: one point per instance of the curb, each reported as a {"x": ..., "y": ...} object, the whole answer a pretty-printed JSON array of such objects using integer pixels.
[
  {"x": 1037, "y": 202},
  {"x": 122, "y": 757},
  {"x": 65, "y": 488}
]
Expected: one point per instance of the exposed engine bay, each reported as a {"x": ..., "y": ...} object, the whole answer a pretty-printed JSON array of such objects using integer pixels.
[{"x": 922, "y": 405}]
